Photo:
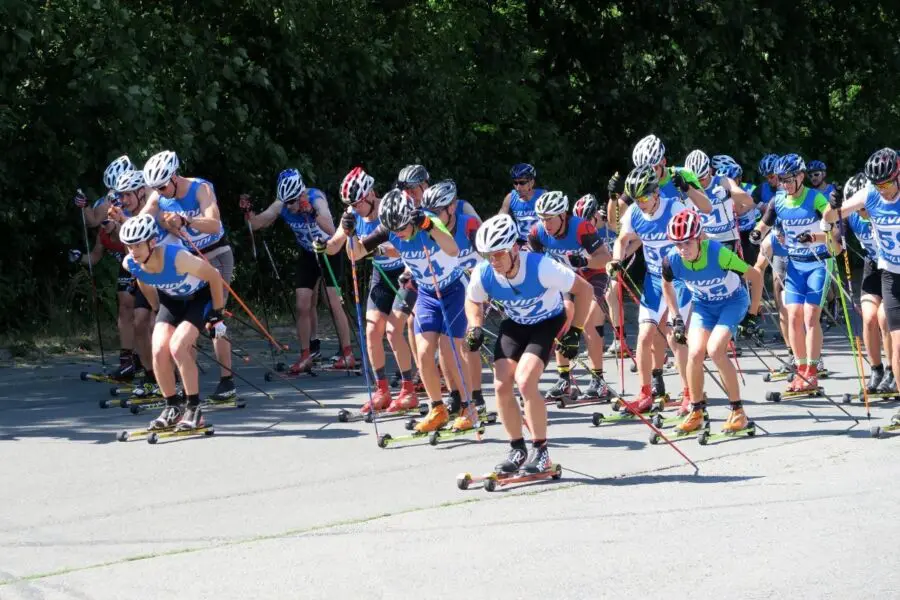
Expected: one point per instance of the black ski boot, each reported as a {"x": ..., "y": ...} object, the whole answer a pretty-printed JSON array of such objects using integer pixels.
[
  {"x": 514, "y": 461},
  {"x": 875, "y": 378},
  {"x": 315, "y": 349},
  {"x": 192, "y": 418},
  {"x": 887, "y": 385},
  {"x": 562, "y": 387},
  {"x": 170, "y": 416},
  {"x": 225, "y": 390},
  {"x": 396, "y": 378},
  {"x": 657, "y": 384},
  {"x": 538, "y": 461},
  {"x": 598, "y": 388}
]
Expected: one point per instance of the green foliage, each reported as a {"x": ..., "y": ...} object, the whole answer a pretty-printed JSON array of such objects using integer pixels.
[{"x": 243, "y": 89}]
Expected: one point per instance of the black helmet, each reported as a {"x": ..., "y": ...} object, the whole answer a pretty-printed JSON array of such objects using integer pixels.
[{"x": 882, "y": 165}]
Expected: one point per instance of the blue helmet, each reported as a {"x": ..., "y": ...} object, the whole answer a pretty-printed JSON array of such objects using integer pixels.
[
  {"x": 790, "y": 164},
  {"x": 767, "y": 164},
  {"x": 732, "y": 170},
  {"x": 816, "y": 165},
  {"x": 523, "y": 171}
]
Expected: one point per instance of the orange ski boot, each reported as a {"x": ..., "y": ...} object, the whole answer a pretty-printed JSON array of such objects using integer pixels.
[
  {"x": 467, "y": 419},
  {"x": 695, "y": 419},
  {"x": 436, "y": 418},
  {"x": 737, "y": 420}
]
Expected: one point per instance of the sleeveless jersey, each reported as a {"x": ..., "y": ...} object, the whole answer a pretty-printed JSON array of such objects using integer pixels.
[
  {"x": 885, "y": 218},
  {"x": 168, "y": 281},
  {"x": 526, "y": 303},
  {"x": 719, "y": 223},
  {"x": 652, "y": 232},
  {"x": 796, "y": 219},
  {"x": 748, "y": 220},
  {"x": 707, "y": 278},
  {"x": 559, "y": 248},
  {"x": 364, "y": 228},
  {"x": 862, "y": 229},
  {"x": 522, "y": 211},
  {"x": 189, "y": 206},
  {"x": 304, "y": 226},
  {"x": 446, "y": 267},
  {"x": 464, "y": 233}
]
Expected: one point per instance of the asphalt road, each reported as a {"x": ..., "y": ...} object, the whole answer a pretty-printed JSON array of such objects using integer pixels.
[{"x": 285, "y": 502}]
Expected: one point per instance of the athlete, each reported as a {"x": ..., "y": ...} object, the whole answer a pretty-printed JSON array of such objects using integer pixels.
[
  {"x": 727, "y": 198},
  {"x": 530, "y": 287},
  {"x": 615, "y": 207},
  {"x": 361, "y": 218},
  {"x": 188, "y": 213},
  {"x": 880, "y": 200},
  {"x": 519, "y": 202},
  {"x": 818, "y": 172},
  {"x": 430, "y": 253},
  {"x": 96, "y": 214},
  {"x": 771, "y": 250},
  {"x": 746, "y": 221},
  {"x": 576, "y": 244},
  {"x": 306, "y": 212},
  {"x": 799, "y": 209},
  {"x": 713, "y": 275},
  {"x": 189, "y": 295}
]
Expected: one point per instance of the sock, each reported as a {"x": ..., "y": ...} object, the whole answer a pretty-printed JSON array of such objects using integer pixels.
[
  {"x": 477, "y": 396},
  {"x": 379, "y": 373},
  {"x": 538, "y": 443},
  {"x": 455, "y": 397},
  {"x": 193, "y": 399},
  {"x": 226, "y": 378},
  {"x": 436, "y": 404},
  {"x": 736, "y": 405},
  {"x": 173, "y": 400},
  {"x": 564, "y": 372},
  {"x": 601, "y": 330},
  {"x": 597, "y": 373},
  {"x": 656, "y": 373},
  {"x": 698, "y": 406},
  {"x": 878, "y": 369},
  {"x": 518, "y": 444},
  {"x": 406, "y": 375}
]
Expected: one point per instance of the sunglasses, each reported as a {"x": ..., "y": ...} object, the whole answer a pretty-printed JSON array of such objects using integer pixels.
[
  {"x": 160, "y": 188},
  {"x": 645, "y": 198},
  {"x": 817, "y": 173},
  {"x": 407, "y": 185},
  {"x": 885, "y": 184},
  {"x": 787, "y": 179},
  {"x": 519, "y": 182}
]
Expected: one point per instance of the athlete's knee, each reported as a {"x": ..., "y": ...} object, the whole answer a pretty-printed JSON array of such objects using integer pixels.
[{"x": 696, "y": 354}]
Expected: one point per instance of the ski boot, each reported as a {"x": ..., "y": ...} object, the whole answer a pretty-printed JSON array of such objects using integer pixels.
[
  {"x": 562, "y": 388},
  {"x": 694, "y": 421},
  {"x": 657, "y": 384},
  {"x": 887, "y": 385},
  {"x": 875, "y": 379},
  {"x": 436, "y": 418},
  {"x": 315, "y": 349},
  {"x": 191, "y": 419},
  {"x": 169, "y": 417},
  {"x": 616, "y": 349},
  {"x": 407, "y": 399},
  {"x": 381, "y": 399},
  {"x": 810, "y": 374},
  {"x": 225, "y": 390},
  {"x": 737, "y": 421},
  {"x": 124, "y": 373},
  {"x": 641, "y": 404},
  {"x": 598, "y": 389},
  {"x": 538, "y": 461},
  {"x": 685, "y": 407},
  {"x": 515, "y": 459},
  {"x": 303, "y": 365},
  {"x": 346, "y": 362},
  {"x": 895, "y": 420},
  {"x": 467, "y": 419}
]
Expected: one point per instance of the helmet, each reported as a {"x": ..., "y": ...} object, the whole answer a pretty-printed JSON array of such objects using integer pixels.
[
  {"x": 356, "y": 185},
  {"x": 816, "y": 165},
  {"x": 650, "y": 151},
  {"x": 138, "y": 229},
  {"x": 586, "y": 207},
  {"x": 129, "y": 181},
  {"x": 116, "y": 168},
  {"x": 290, "y": 185},
  {"x": 882, "y": 165},
  {"x": 158, "y": 171},
  {"x": 855, "y": 183},
  {"x": 497, "y": 233},
  {"x": 790, "y": 164},
  {"x": 440, "y": 195},
  {"x": 719, "y": 161},
  {"x": 552, "y": 203},
  {"x": 732, "y": 171},
  {"x": 698, "y": 162},
  {"x": 412, "y": 175},
  {"x": 767, "y": 164},
  {"x": 396, "y": 210},
  {"x": 641, "y": 181},
  {"x": 522, "y": 171},
  {"x": 684, "y": 226}
]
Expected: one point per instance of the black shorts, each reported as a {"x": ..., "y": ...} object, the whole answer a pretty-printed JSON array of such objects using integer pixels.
[
  {"x": 871, "y": 278},
  {"x": 751, "y": 250},
  {"x": 308, "y": 272},
  {"x": 515, "y": 339},
  {"x": 125, "y": 281},
  {"x": 140, "y": 301},
  {"x": 890, "y": 297},
  {"x": 381, "y": 290},
  {"x": 192, "y": 309}
]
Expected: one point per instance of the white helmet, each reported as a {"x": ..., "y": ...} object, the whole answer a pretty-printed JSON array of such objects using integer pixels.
[
  {"x": 552, "y": 203},
  {"x": 396, "y": 210},
  {"x": 495, "y": 234},
  {"x": 698, "y": 162},
  {"x": 356, "y": 185},
  {"x": 114, "y": 169},
  {"x": 129, "y": 181},
  {"x": 440, "y": 195},
  {"x": 290, "y": 185},
  {"x": 648, "y": 152},
  {"x": 138, "y": 229},
  {"x": 158, "y": 171}
]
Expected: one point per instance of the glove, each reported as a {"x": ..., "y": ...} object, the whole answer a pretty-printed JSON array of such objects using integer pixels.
[
  {"x": 348, "y": 223},
  {"x": 319, "y": 246},
  {"x": 804, "y": 238},
  {"x": 114, "y": 213},
  {"x": 569, "y": 342},
  {"x": 601, "y": 212},
  {"x": 684, "y": 179},
  {"x": 74, "y": 255},
  {"x": 421, "y": 220},
  {"x": 474, "y": 338},
  {"x": 80, "y": 199},
  {"x": 836, "y": 200},
  {"x": 245, "y": 204},
  {"x": 577, "y": 260},
  {"x": 215, "y": 323},
  {"x": 680, "y": 183},
  {"x": 678, "y": 331},
  {"x": 749, "y": 326},
  {"x": 405, "y": 278},
  {"x": 755, "y": 237},
  {"x": 613, "y": 267},
  {"x": 615, "y": 186}
]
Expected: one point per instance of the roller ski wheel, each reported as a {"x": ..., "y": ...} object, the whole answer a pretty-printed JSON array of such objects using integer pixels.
[
  {"x": 767, "y": 377},
  {"x": 707, "y": 437},
  {"x": 384, "y": 440},
  {"x": 463, "y": 480},
  {"x": 159, "y": 434},
  {"x": 122, "y": 436},
  {"x": 444, "y": 434},
  {"x": 633, "y": 368},
  {"x": 104, "y": 404},
  {"x": 280, "y": 367},
  {"x": 494, "y": 480},
  {"x": 876, "y": 432}
]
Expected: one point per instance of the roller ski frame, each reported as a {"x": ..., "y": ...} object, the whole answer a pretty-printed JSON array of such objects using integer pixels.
[
  {"x": 104, "y": 378},
  {"x": 577, "y": 399},
  {"x": 349, "y": 416},
  {"x": 317, "y": 366},
  {"x": 773, "y": 396},
  {"x": 433, "y": 437},
  {"x": 491, "y": 481},
  {"x": 882, "y": 430},
  {"x": 598, "y": 419},
  {"x": 675, "y": 434},
  {"x": 154, "y": 435},
  {"x": 706, "y": 437},
  {"x": 873, "y": 397},
  {"x": 138, "y": 408}
]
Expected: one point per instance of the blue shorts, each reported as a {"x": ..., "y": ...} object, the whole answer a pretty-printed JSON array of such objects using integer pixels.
[
  {"x": 723, "y": 313},
  {"x": 807, "y": 283},
  {"x": 430, "y": 317},
  {"x": 653, "y": 303}
]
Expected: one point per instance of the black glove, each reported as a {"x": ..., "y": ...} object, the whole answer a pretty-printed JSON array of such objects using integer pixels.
[
  {"x": 615, "y": 186},
  {"x": 678, "y": 331},
  {"x": 836, "y": 200},
  {"x": 804, "y": 238},
  {"x": 319, "y": 246},
  {"x": 405, "y": 278},
  {"x": 755, "y": 237},
  {"x": 474, "y": 338},
  {"x": 680, "y": 183},
  {"x": 577, "y": 260},
  {"x": 749, "y": 326},
  {"x": 613, "y": 267},
  {"x": 569, "y": 342},
  {"x": 215, "y": 322},
  {"x": 421, "y": 220},
  {"x": 348, "y": 223}
]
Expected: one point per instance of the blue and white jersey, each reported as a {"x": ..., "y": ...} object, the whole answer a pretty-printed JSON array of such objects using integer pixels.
[
  {"x": 607, "y": 236},
  {"x": 532, "y": 296},
  {"x": 168, "y": 281},
  {"x": 799, "y": 215},
  {"x": 188, "y": 206},
  {"x": 444, "y": 268},
  {"x": 778, "y": 248},
  {"x": 747, "y": 221},
  {"x": 364, "y": 228},
  {"x": 709, "y": 278},
  {"x": 522, "y": 211},
  {"x": 651, "y": 229},
  {"x": 719, "y": 224},
  {"x": 464, "y": 234},
  {"x": 862, "y": 229},
  {"x": 304, "y": 225},
  {"x": 885, "y": 218}
]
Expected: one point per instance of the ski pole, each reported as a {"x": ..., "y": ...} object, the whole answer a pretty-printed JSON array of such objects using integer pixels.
[
  {"x": 96, "y": 298},
  {"x": 236, "y": 374},
  {"x": 247, "y": 358},
  {"x": 359, "y": 324}
]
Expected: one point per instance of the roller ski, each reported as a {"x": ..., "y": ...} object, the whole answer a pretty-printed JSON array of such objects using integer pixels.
[
  {"x": 782, "y": 372},
  {"x": 407, "y": 402},
  {"x": 645, "y": 404},
  {"x": 303, "y": 366},
  {"x": 691, "y": 425},
  {"x": 893, "y": 428},
  {"x": 210, "y": 402},
  {"x": 598, "y": 392},
  {"x": 347, "y": 364},
  {"x": 880, "y": 387},
  {"x": 109, "y": 377},
  {"x": 737, "y": 425},
  {"x": 562, "y": 391},
  {"x": 806, "y": 385},
  {"x": 515, "y": 469}
]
